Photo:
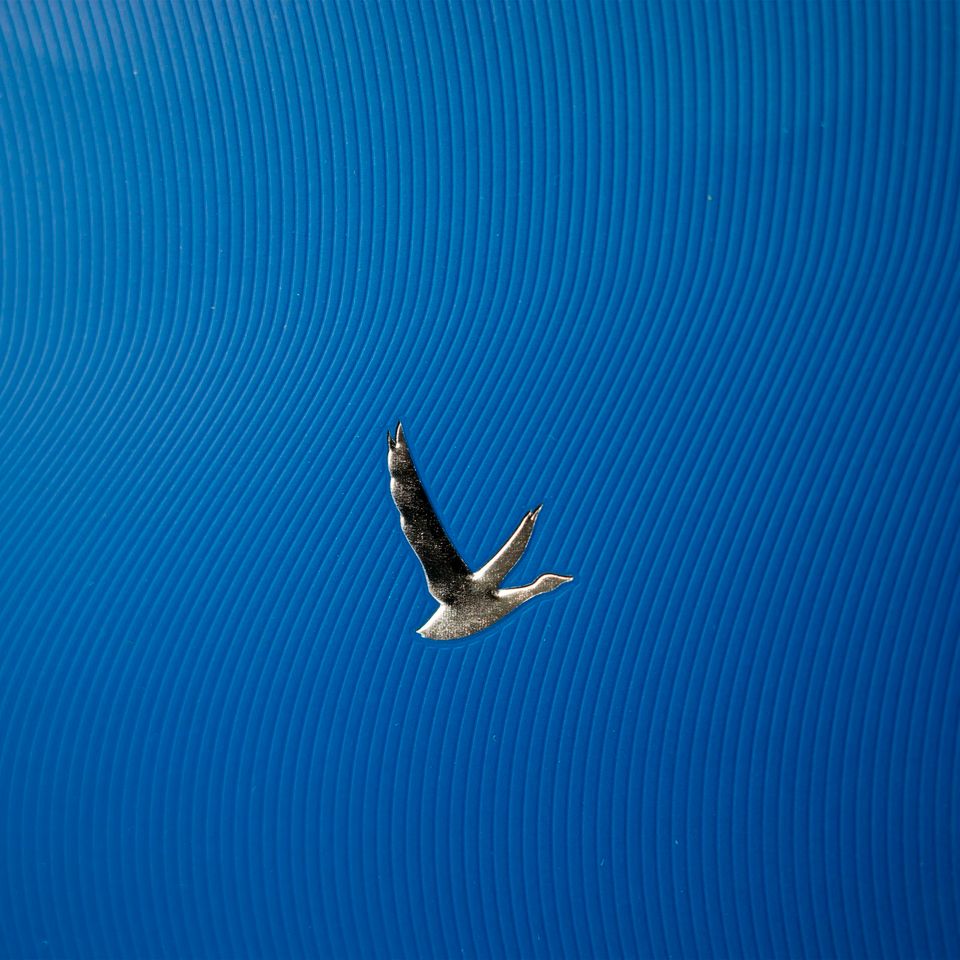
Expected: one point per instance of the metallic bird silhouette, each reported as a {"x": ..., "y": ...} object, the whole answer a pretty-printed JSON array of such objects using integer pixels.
[{"x": 469, "y": 601}]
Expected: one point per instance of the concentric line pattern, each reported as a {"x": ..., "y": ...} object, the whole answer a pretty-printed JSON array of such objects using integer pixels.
[{"x": 685, "y": 272}]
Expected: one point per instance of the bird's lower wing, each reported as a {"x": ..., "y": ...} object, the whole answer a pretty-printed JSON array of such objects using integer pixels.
[{"x": 506, "y": 557}]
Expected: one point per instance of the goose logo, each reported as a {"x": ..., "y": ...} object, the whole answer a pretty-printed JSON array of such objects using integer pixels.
[{"x": 469, "y": 602}]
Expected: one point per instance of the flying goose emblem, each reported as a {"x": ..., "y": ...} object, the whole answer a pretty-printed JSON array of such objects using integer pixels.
[{"x": 468, "y": 601}]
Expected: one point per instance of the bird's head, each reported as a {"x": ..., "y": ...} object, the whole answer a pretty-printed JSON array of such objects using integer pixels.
[{"x": 549, "y": 581}]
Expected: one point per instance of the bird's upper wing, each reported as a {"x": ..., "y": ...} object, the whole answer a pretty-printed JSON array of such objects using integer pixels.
[{"x": 446, "y": 572}]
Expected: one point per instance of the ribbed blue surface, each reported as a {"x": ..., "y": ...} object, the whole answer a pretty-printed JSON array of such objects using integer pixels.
[{"x": 687, "y": 273}]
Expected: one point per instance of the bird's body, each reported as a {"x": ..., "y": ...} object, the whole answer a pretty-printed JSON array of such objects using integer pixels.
[
  {"x": 468, "y": 601},
  {"x": 481, "y": 606}
]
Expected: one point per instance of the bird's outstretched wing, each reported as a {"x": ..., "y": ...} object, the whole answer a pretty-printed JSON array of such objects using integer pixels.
[
  {"x": 446, "y": 572},
  {"x": 491, "y": 573}
]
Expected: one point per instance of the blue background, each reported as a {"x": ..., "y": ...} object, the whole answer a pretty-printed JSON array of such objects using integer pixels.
[{"x": 686, "y": 272}]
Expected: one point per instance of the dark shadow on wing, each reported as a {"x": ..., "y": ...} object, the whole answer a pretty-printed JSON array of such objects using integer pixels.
[{"x": 446, "y": 572}]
